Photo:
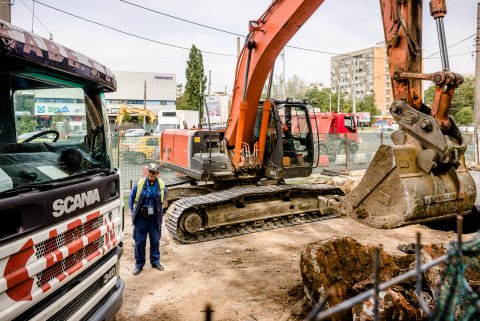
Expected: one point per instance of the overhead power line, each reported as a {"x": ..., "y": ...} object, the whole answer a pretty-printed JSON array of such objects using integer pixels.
[
  {"x": 129, "y": 33},
  {"x": 34, "y": 16},
  {"x": 181, "y": 19},
  {"x": 208, "y": 27},
  {"x": 456, "y": 43}
]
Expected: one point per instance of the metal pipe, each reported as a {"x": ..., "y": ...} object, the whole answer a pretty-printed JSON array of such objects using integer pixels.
[{"x": 442, "y": 41}]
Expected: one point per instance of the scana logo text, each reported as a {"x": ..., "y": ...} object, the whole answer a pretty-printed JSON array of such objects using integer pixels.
[{"x": 71, "y": 203}]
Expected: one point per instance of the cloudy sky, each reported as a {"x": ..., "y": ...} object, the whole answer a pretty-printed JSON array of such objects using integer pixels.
[{"x": 339, "y": 27}]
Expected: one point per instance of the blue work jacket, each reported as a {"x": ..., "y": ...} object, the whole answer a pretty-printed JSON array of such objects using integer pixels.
[{"x": 135, "y": 206}]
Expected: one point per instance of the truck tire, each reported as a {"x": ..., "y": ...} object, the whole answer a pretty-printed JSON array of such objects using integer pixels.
[{"x": 323, "y": 150}]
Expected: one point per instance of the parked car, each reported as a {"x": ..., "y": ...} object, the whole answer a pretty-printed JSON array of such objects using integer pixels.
[
  {"x": 385, "y": 131},
  {"x": 135, "y": 132},
  {"x": 81, "y": 133},
  {"x": 138, "y": 149}
]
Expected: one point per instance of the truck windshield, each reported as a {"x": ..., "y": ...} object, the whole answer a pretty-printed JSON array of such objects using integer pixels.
[
  {"x": 349, "y": 123},
  {"x": 54, "y": 133}
]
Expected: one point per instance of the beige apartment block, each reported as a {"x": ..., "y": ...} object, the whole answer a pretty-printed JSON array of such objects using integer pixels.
[{"x": 361, "y": 73}]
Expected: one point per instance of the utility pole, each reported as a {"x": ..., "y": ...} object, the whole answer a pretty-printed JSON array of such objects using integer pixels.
[
  {"x": 338, "y": 91},
  {"x": 284, "y": 78},
  {"x": 6, "y": 11},
  {"x": 477, "y": 88},
  {"x": 144, "y": 103},
  {"x": 238, "y": 47},
  {"x": 330, "y": 96},
  {"x": 209, "y": 82},
  {"x": 354, "y": 93}
]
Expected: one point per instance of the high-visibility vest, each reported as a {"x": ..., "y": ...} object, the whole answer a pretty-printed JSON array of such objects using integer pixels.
[{"x": 140, "y": 184}]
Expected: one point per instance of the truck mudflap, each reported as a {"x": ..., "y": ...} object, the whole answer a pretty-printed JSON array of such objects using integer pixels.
[{"x": 244, "y": 210}]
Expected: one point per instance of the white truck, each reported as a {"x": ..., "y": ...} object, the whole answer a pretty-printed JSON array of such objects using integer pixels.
[{"x": 175, "y": 119}]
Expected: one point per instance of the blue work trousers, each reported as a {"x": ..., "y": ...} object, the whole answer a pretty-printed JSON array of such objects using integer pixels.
[{"x": 143, "y": 226}]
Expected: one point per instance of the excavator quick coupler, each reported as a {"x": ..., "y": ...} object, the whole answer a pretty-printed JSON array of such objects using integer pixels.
[{"x": 421, "y": 178}]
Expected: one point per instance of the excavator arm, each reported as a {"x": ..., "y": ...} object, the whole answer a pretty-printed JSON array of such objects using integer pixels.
[
  {"x": 267, "y": 37},
  {"x": 127, "y": 109},
  {"x": 423, "y": 176}
]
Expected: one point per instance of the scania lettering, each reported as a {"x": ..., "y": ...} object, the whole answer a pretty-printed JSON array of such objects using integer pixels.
[
  {"x": 71, "y": 203},
  {"x": 60, "y": 197}
]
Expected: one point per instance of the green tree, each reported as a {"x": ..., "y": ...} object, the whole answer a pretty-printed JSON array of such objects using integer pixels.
[
  {"x": 182, "y": 103},
  {"x": 463, "y": 100},
  {"x": 296, "y": 87},
  {"x": 367, "y": 104},
  {"x": 25, "y": 124},
  {"x": 196, "y": 80},
  {"x": 321, "y": 98}
]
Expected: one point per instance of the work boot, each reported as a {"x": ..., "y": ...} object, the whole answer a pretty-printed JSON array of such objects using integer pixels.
[
  {"x": 158, "y": 267},
  {"x": 136, "y": 271}
]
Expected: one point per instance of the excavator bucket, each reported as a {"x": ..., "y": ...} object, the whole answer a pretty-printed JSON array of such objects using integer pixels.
[{"x": 407, "y": 183}]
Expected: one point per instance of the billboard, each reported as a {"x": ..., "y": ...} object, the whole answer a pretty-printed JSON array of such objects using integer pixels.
[
  {"x": 363, "y": 117},
  {"x": 51, "y": 109},
  {"x": 214, "y": 111}
]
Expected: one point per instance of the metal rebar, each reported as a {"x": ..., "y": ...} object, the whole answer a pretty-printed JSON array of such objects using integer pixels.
[
  {"x": 459, "y": 234},
  {"x": 317, "y": 308},
  {"x": 376, "y": 283},
  {"x": 419, "y": 283}
]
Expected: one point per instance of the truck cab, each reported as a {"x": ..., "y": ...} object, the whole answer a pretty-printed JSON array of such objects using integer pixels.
[{"x": 60, "y": 196}]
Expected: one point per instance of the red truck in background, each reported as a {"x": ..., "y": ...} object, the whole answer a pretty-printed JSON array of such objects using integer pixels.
[{"x": 334, "y": 133}]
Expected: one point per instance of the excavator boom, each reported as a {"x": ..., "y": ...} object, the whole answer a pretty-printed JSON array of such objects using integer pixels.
[{"x": 267, "y": 37}]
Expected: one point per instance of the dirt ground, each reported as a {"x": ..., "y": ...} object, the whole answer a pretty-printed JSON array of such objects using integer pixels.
[{"x": 249, "y": 277}]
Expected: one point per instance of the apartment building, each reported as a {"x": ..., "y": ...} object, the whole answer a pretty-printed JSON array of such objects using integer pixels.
[{"x": 361, "y": 73}]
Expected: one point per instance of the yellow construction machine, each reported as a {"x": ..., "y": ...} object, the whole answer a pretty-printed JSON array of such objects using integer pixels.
[{"x": 127, "y": 109}]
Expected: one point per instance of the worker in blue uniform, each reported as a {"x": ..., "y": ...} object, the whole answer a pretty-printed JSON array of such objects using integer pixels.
[{"x": 145, "y": 202}]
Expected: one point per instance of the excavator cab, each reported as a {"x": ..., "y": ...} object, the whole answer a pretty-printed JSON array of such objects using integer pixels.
[{"x": 289, "y": 143}]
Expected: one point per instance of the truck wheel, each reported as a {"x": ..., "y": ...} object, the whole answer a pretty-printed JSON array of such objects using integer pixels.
[
  {"x": 139, "y": 158},
  {"x": 322, "y": 149}
]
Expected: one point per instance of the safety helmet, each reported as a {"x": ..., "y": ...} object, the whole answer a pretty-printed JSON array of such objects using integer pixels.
[{"x": 153, "y": 167}]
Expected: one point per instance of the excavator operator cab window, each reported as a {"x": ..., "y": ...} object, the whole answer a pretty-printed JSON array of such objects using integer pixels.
[{"x": 296, "y": 136}]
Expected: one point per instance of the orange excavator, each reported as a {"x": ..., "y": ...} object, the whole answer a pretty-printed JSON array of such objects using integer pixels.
[{"x": 237, "y": 175}]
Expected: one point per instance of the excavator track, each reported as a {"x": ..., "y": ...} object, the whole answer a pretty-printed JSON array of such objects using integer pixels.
[
  {"x": 170, "y": 182},
  {"x": 178, "y": 208}
]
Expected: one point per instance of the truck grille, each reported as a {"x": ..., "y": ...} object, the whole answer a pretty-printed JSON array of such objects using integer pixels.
[
  {"x": 71, "y": 307},
  {"x": 54, "y": 243},
  {"x": 62, "y": 266}
]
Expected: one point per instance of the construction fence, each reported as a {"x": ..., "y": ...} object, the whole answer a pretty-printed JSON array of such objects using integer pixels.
[{"x": 334, "y": 153}]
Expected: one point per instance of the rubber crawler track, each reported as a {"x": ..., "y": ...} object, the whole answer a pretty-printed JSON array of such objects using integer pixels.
[{"x": 177, "y": 208}]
